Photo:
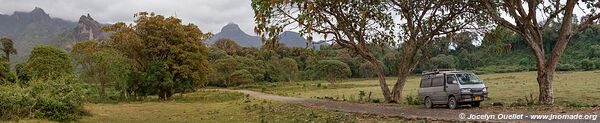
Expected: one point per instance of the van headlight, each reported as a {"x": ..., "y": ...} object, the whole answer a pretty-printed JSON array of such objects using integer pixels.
[
  {"x": 485, "y": 89},
  {"x": 465, "y": 90}
]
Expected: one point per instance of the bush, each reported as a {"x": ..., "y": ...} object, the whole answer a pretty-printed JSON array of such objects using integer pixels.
[
  {"x": 46, "y": 62},
  {"x": 333, "y": 70},
  {"x": 240, "y": 77},
  {"x": 59, "y": 99},
  {"x": 366, "y": 70},
  {"x": 412, "y": 100},
  {"x": 15, "y": 102},
  {"x": 6, "y": 76},
  {"x": 444, "y": 62},
  {"x": 587, "y": 64},
  {"x": 575, "y": 104},
  {"x": 565, "y": 67},
  {"x": 502, "y": 68}
]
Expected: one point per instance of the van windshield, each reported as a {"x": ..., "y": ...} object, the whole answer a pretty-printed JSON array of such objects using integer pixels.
[{"x": 468, "y": 79}]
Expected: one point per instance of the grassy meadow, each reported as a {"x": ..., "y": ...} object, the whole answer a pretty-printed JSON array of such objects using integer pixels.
[
  {"x": 220, "y": 106},
  {"x": 570, "y": 88},
  {"x": 211, "y": 106}
]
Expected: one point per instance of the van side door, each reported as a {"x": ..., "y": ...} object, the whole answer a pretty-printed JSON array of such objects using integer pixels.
[
  {"x": 451, "y": 88},
  {"x": 437, "y": 85},
  {"x": 424, "y": 88}
]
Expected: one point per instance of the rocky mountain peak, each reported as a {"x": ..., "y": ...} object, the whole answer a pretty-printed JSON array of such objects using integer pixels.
[
  {"x": 88, "y": 28},
  {"x": 231, "y": 27},
  {"x": 39, "y": 14}
]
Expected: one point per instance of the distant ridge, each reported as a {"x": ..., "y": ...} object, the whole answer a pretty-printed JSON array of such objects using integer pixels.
[
  {"x": 27, "y": 29},
  {"x": 233, "y": 32}
]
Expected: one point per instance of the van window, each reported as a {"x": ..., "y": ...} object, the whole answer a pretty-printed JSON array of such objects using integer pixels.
[
  {"x": 449, "y": 79},
  {"x": 425, "y": 83},
  {"x": 438, "y": 81}
]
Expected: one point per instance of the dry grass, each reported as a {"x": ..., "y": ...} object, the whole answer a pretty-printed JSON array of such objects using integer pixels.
[
  {"x": 216, "y": 107},
  {"x": 581, "y": 87}
]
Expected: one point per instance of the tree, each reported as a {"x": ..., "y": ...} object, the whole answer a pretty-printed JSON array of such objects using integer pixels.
[
  {"x": 289, "y": 69},
  {"x": 216, "y": 54},
  {"x": 46, "y": 62},
  {"x": 158, "y": 80},
  {"x": 356, "y": 25},
  {"x": 104, "y": 66},
  {"x": 228, "y": 45},
  {"x": 6, "y": 76},
  {"x": 7, "y": 48},
  {"x": 223, "y": 68},
  {"x": 155, "y": 38},
  {"x": 443, "y": 62},
  {"x": 256, "y": 67},
  {"x": 239, "y": 77},
  {"x": 365, "y": 70},
  {"x": 333, "y": 70},
  {"x": 353, "y": 24},
  {"x": 524, "y": 21},
  {"x": 21, "y": 72}
]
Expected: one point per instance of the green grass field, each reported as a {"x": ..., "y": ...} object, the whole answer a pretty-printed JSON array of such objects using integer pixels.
[
  {"x": 508, "y": 88},
  {"x": 216, "y": 107}
]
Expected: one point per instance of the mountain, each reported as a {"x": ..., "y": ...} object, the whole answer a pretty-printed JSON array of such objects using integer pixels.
[
  {"x": 233, "y": 32},
  {"x": 27, "y": 29},
  {"x": 87, "y": 29}
]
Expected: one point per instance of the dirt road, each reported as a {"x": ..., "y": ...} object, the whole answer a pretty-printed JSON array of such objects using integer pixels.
[{"x": 420, "y": 112}]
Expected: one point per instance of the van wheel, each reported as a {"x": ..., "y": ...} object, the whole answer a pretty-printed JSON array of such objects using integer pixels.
[
  {"x": 452, "y": 103},
  {"x": 428, "y": 102},
  {"x": 476, "y": 104}
]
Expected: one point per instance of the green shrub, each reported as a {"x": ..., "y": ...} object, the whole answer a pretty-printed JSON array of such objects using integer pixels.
[
  {"x": 366, "y": 70},
  {"x": 575, "y": 104},
  {"x": 46, "y": 62},
  {"x": 565, "y": 67},
  {"x": 412, "y": 100},
  {"x": 240, "y": 77},
  {"x": 333, "y": 70},
  {"x": 6, "y": 76},
  {"x": 59, "y": 99},
  {"x": 15, "y": 102},
  {"x": 444, "y": 62},
  {"x": 502, "y": 68},
  {"x": 587, "y": 64}
]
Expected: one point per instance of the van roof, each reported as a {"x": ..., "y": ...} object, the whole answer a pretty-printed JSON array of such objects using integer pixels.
[{"x": 452, "y": 71}]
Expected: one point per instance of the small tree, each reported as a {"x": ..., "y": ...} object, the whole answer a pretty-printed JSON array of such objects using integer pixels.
[
  {"x": 6, "y": 77},
  {"x": 22, "y": 73},
  {"x": 444, "y": 62},
  {"x": 104, "y": 66},
  {"x": 333, "y": 70},
  {"x": 365, "y": 70},
  {"x": 8, "y": 48},
  {"x": 289, "y": 69},
  {"x": 46, "y": 62},
  {"x": 239, "y": 77},
  {"x": 228, "y": 45},
  {"x": 222, "y": 70}
]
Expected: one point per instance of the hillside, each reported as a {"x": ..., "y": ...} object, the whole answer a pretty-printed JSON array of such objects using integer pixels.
[
  {"x": 233, "y": 32},
  {"x": 31, "y": 28}
]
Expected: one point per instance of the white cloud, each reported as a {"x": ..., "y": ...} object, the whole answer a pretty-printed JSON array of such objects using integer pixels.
[{"x": 209, "y": 15}]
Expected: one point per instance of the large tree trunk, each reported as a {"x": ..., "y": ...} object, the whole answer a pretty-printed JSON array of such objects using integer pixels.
[
  {"x": 545, "y": 85},
  {"x": 381, "y": 77},
  {"x": 399, "y": 86}
]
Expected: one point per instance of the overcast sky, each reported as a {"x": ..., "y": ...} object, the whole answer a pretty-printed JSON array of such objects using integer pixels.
[{"x": 209, "y": 15}]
